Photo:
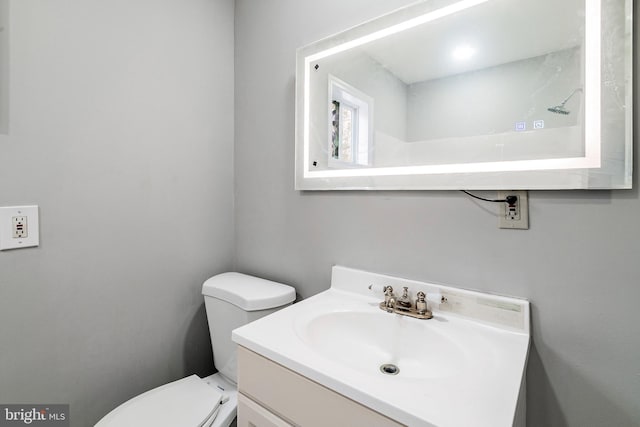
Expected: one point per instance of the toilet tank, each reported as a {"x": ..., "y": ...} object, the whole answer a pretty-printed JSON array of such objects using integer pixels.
[{"x": 233, "y": 300}]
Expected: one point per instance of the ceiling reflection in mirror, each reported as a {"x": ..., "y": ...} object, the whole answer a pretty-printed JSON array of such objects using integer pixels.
[{"x": 467, "y": 87}]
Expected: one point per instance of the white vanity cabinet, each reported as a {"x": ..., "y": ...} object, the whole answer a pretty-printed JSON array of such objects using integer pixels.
[
  {"x": 251, "y": 414},
  {"x": 274, "y": 396}
]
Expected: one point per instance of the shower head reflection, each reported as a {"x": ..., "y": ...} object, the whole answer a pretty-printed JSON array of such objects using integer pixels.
[{"x": 560, "y": 109}]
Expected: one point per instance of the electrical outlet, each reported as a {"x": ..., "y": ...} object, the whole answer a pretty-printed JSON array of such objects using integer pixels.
[
  {"x": 19, "y": 227},
  {"x": 515, "y": 214}
]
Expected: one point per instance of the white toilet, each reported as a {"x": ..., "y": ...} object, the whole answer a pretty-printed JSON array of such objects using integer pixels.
[{"x": 231, "y": 300}]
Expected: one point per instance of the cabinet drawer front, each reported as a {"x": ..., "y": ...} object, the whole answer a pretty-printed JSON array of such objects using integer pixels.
[
  {"x": 299, "y": 400},
  {"x": 250, "y": 414}
]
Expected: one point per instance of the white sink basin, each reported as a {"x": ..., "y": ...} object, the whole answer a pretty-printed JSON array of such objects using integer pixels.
[
  {"x": 465, "y": 367},
  {"x": 366, "y": 341}
]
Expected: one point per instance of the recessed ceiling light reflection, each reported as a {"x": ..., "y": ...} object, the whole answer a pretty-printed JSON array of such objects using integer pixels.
[{"x": 463, "y": 52}]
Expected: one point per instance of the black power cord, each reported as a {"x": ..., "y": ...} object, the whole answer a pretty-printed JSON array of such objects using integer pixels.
[{"x": 509, "y": 199}]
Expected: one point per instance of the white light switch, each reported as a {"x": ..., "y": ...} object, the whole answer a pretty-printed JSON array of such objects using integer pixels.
[{"x": 19, "y": 227}]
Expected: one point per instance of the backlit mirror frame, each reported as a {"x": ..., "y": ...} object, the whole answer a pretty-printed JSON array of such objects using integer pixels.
[{"x": 607, "y": 163}]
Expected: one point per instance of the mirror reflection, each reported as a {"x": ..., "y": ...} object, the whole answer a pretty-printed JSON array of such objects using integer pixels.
[
  {"x": 456, "y": 90},
  {"x": 470, "y": 87}
]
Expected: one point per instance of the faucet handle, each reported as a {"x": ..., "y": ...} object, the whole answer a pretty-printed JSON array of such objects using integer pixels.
[
  {"x": 389, "y": 296},
  {"x": 421, "y": 303}
]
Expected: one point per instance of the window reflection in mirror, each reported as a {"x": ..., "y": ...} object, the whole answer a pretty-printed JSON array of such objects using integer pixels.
[{"x": 350, "y": 121}]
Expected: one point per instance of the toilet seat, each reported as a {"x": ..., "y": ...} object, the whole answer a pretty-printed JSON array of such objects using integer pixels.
[{"x": 188, "y": 402}]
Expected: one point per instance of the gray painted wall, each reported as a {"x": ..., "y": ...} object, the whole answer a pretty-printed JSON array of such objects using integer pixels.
[
  {"x": 121, "y": 131},
  {"x": 122, "y": 110},
  {"x": 578, "y": 264}
]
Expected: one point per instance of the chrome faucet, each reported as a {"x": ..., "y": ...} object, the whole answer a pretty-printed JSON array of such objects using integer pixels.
[{"x": 404, "y": 305}]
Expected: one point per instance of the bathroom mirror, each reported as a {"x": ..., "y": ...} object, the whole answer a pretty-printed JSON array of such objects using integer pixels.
[{"x": 471, "y": 94}]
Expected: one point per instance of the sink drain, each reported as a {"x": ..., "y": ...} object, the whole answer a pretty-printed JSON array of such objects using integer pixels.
[{"x": 389, "y": 369}]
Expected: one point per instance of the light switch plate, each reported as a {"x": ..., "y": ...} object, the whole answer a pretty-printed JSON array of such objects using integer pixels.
[{"x": 15, "y": 237}]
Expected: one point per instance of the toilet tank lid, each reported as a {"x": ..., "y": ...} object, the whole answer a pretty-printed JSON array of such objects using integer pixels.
[{"x": 248, "y": 292}]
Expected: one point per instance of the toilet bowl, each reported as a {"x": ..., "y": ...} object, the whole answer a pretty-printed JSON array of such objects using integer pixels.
[{"x": 231, "y": 300}]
